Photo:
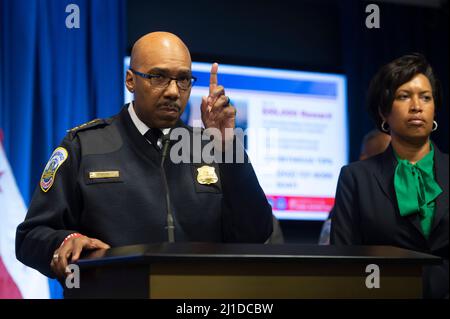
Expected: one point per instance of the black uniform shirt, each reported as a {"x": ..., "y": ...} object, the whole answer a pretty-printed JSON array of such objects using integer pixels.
[{"x": 110, "y": 187}]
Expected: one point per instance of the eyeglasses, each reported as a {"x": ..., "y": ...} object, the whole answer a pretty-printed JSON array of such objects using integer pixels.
[{"x": 162, "y": 81}]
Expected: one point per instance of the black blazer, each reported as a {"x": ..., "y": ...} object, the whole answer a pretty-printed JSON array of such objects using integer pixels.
[{"x": 366, "y": 213}]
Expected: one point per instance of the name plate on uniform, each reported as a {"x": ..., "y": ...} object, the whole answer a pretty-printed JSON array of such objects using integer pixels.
[{"x": 105, "y": 174}]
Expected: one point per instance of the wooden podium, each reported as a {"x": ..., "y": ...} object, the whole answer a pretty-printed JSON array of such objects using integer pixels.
[{"x": 256, "y": 271}]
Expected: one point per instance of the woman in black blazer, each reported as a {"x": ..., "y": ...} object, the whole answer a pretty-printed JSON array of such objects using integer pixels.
[{"x": 400, "y": 197}]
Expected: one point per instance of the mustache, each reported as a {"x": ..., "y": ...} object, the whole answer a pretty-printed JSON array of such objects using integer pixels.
[{"x": 169, "y": 104}]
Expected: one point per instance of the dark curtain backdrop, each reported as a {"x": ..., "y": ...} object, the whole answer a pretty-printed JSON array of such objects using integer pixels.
[{"x": 53, "y": 78}]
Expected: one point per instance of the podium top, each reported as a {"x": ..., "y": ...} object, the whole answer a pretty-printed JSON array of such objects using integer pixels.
[{"x": 202, "y": 252}]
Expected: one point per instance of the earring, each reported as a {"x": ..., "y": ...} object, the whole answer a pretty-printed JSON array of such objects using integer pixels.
[
  {"x": 435, "y": 126},
  {"x": 383, "y": 128}
]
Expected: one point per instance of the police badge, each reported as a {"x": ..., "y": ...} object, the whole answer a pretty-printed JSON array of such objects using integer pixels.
[
  {"x": 206, "y": 175},
  {"x": 48, "y": 176}
]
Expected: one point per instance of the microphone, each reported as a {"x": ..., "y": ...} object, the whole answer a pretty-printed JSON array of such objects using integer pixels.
[
  {"x": 170, "y": 225},
  {"x": 165, "y": 141}
]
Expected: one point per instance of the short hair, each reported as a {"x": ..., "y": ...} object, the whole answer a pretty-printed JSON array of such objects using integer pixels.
[
  {"x": 391, "y": 76},
  {"x": 369, "y": 136},
  {"x": 373, "y": 134}
]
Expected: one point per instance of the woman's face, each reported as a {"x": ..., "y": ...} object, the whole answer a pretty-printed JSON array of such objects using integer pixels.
[{"x": 412, "y": 113}]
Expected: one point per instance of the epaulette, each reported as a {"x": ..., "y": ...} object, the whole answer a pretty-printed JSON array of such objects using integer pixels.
[{"x": 88, "y": 125}]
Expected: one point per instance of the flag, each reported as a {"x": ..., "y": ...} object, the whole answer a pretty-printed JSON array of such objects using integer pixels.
[{"x": 16, "y": 280}]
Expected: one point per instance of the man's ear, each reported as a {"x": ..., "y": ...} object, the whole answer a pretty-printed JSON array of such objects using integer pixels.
[{"x": 129, "y": 81}]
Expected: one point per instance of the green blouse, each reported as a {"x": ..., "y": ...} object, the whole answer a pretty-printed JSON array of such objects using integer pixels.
[{"x": 417, "y": 189}]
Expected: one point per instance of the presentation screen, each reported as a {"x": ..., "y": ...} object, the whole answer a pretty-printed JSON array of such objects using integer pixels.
[{"x": 295, "y": 131}]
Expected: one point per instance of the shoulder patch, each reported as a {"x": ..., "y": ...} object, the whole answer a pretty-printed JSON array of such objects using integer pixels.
[{"x": 48, "y": 176}]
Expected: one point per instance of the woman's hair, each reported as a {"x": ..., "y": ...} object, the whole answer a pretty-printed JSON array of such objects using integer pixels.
[{"x": 391, "y": 76}]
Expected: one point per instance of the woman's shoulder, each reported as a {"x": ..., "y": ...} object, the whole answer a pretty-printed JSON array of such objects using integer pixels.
[
  {"x": 370, "y": 164},
  {"x": 440, "y": 155}
]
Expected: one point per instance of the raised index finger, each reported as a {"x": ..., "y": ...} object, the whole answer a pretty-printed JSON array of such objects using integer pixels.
[{"x": 213, "y": 78}]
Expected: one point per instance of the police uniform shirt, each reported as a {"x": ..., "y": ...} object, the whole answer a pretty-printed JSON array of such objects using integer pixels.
[
  {"x": 105, "y": 182},
  {"x": 141, "y": 126}
]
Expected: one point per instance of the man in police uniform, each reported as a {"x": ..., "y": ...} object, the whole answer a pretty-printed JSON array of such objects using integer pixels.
[{"x": 103, "y": 186}]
